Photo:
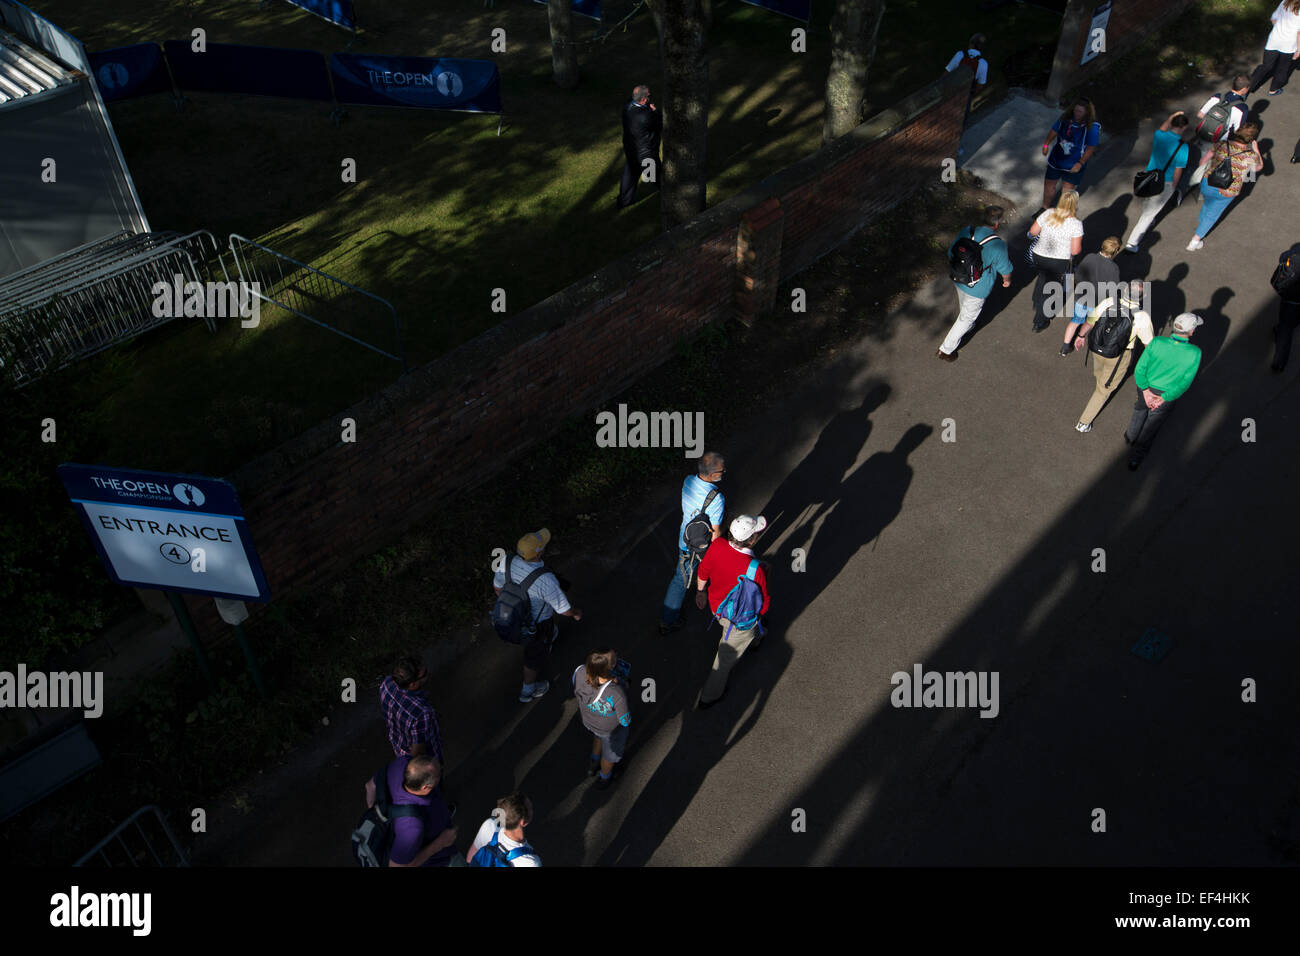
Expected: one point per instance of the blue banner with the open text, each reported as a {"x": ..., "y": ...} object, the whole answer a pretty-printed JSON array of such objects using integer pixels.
[
  {"x": 799, "y": 9},
  {"x": 128, "y": 71},
  {"x": 335, "y": 11},
  {"x": 586, "y": 8},
  {"x": 261, "y": 70},
  {"x": 426, "y": 82}
]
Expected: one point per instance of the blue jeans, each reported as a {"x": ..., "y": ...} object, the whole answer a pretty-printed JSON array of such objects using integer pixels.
[
  {"x": 677, "y": 588},
  {"x": 1212, "y": 207}
]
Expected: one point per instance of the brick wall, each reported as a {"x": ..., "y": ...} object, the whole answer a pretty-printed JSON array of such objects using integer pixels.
[
  {"x": 1131, "y": 21},
  {"x": 316, "y": 504}
]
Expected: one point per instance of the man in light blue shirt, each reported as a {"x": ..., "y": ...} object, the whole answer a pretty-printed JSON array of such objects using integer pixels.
[
  {"x": 1168, "y": 152},
  {"x": 695, "y": 492}
]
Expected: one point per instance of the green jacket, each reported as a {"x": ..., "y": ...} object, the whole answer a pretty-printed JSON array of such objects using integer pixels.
[{"x": 1167, "y": 366}]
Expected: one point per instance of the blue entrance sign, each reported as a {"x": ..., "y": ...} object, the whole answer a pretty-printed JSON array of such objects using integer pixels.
[{"x": 172, "y": 532}]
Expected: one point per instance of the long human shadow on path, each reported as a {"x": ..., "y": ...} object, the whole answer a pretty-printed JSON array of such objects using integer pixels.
[{"x": 1186, "y": 776}]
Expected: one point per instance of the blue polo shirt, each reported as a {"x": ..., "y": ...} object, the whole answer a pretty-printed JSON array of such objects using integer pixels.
[
  {"x": 1163, "y": 145},
  {"x": 694, "y": 491},
  {"x": 996, "y": 262}
]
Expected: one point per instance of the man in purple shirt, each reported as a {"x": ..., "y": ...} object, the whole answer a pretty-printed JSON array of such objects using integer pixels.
[
  {"x": 427, "y": 838},
  {"x": 412, "y": 721}
]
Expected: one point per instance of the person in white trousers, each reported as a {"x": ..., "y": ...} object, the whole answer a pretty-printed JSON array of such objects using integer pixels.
[
  {"x": 1168, "y": 152},
  {"x": 971, "y": 297}
]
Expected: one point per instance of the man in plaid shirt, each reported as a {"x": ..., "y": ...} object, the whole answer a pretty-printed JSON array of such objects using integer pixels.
[{"x": 411, "y": 719}]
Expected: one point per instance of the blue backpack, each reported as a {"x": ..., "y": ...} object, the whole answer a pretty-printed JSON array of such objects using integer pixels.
[
  {"x": 493, "y": 853},
  {"x": 743, "y": 603}
]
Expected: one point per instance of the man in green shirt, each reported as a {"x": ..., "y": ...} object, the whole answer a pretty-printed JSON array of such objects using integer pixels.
[{"x": 1166, "y": 368}]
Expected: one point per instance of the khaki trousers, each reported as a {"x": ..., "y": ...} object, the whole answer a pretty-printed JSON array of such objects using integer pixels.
[
  {"x": 729, "y": 651},
  {"x": 1101, "y": 370}
]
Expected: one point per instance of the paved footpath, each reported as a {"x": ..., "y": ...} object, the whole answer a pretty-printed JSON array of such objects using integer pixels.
[{"x": 973, "y": 554}]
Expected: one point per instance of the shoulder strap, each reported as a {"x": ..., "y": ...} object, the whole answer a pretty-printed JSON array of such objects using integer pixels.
[
  {"x": 522, "y": 849},
  {"x": 532, "y": 576},
  {"x": 1177, "y": 147},
  {"x": 602, "y": 689},
  {"x": 708, "y": 500},
  {"x": 384, "y": 800},
  {"x": 752, "y": 569},
  {"x": 989, "y": 238}
]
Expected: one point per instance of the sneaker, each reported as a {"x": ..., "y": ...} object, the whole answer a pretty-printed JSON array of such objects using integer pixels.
[
  {"x": 1066, "y": 349},
  {"x": 604, "y": 783},
  {"x": 1039, "y": 326},
  {"x": 530, "y": 692},
  {"x": 946, "y": 356},
  {"x": 1130, "y": 248},
  {"x": 1081, "y": 427},
  {"x": 665, "y": 629},
  {"x": 1276, "y": 92},
  {"x": 1194, "y": 245}
]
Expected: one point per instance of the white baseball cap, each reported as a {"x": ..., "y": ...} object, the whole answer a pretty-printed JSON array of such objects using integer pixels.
[
  {"x": 1188, "y": 321},
  {"x": 745, "y": 527}
]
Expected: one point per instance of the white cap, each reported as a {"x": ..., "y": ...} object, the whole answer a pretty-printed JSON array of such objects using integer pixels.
[
  {"x": 745, "y": 527},
  {"x": 1187, "y": 322}
]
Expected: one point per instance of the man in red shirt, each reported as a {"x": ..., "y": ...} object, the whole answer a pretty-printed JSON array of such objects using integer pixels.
[{"x": 726, "y": 561}]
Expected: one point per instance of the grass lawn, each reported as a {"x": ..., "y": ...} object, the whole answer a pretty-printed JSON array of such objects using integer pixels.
[{"x": 444, "y": 210}]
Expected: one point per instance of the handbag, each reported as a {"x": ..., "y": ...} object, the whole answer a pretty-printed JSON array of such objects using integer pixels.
[
  {"x": 1151, "y": 182},
  {"x": 1221, "y": 178}
]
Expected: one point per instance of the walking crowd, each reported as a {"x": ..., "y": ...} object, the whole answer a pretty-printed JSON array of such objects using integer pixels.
[
  {"x": 1106, "y": 315},
  {"x": 408, "y": 819}
]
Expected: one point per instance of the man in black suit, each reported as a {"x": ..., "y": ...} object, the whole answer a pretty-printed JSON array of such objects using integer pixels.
[{"x": 642, "y": 125}]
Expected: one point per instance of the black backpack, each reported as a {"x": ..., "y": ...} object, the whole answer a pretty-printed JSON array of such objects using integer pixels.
[
  {"x": 1286, "y": 278},
  {"x": 372, "y": 840},
  {"x": 512, "y": 614},
  {"x": 1221, "y": 177},
  {"x": 1112, "y": 331},
  {"x": 1217, "y": 118},
  {"x": 698, "y": 532},
  {"x": 966, "y": 260}
]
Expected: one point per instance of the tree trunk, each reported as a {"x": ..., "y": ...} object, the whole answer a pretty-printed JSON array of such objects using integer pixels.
[
  {"x": 685, "y": 102},
  {"x": 854, "y": 27},
  {"x": 564, "y": 55}
]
